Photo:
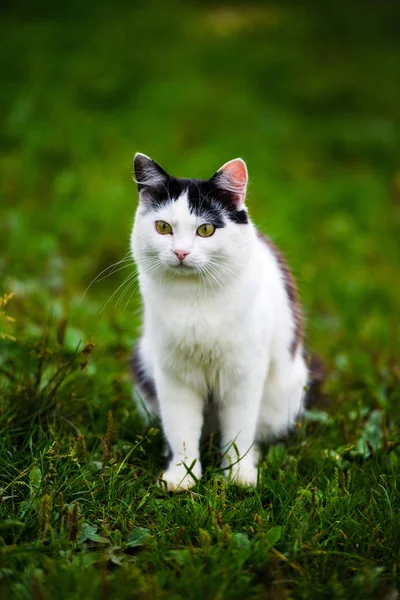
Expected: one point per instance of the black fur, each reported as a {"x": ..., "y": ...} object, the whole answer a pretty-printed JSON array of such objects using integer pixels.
[
  {"x": 205, "y": 196},
  {"x": 208, "y": 197},
  {"x": 142, "y": 379}
]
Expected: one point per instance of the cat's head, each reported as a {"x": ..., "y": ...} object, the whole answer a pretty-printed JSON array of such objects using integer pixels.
[{"x": 190, "y": 227}]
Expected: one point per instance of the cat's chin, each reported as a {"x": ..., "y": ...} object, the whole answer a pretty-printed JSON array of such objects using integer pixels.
[{"x": 183, "y": 270}]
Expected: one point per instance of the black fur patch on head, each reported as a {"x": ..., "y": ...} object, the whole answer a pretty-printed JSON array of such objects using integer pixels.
[
  {"x": 168, "y": 190},
  {"x": 206, "y": 197}
]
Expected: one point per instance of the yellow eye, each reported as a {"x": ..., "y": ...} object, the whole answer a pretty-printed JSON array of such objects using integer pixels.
[
  {"x": 163, "y": 227},
  {"x": 205, "y": 230}
]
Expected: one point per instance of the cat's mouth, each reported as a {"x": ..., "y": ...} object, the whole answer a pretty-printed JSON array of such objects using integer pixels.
[{"x": 183, "y": 268}]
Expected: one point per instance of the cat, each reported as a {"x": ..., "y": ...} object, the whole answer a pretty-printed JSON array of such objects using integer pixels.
[{"x": 222, "y": 327}]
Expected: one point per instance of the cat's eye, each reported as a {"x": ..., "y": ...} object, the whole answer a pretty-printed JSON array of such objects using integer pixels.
[
  {"x": 205, "y": 230},
  {"x": 163, "y": 227}
]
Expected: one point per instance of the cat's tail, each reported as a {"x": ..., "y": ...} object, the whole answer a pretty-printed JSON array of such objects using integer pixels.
[{"x": 317, "y": 370}]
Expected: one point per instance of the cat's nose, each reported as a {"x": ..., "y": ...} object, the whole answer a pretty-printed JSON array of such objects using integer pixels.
[{"x": 181, "y": 254}]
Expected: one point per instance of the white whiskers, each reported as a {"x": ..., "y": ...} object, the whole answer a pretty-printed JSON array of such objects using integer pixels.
[{"x": 125, "y": 261}]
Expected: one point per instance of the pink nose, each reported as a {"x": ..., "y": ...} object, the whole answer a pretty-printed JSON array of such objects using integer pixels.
[{"x": 181, "y": 254}]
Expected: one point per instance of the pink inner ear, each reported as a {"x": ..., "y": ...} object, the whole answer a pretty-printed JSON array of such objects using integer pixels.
[
  {"x": 233, "y": 177},
  {"x": 235, "y": 172}
]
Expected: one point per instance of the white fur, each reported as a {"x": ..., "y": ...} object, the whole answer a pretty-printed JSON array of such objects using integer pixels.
[{"x": 223, "y": 325}]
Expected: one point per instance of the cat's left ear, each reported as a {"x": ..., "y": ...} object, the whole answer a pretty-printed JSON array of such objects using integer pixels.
[
  {"x": 232, "y": 177},
  {"x": 148, "y": 173}
]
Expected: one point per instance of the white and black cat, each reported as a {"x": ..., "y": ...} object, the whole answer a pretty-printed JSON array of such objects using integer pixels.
[{"x": 222, "y": 322}]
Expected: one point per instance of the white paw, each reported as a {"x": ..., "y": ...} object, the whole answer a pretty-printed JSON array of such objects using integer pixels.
[
  {"x": 177, "y": 479},
  {"x": 243, "y": 475}
]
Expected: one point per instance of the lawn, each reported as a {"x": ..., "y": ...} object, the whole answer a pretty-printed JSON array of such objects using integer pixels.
[{"x": 309, "y": 96}]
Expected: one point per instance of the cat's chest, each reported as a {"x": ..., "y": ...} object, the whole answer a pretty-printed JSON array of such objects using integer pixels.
[{"x": 198, "y": 331}]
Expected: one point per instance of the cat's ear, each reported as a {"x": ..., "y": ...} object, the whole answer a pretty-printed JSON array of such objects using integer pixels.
[
  {"x": 232, "y": 177},
  {"x": 148, "y": 173}
]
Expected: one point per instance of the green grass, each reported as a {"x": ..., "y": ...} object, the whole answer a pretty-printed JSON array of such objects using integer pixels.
[{"x": 310, "y": 98}]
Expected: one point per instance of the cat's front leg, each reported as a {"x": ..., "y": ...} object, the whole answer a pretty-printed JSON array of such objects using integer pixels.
[
  {"x": 239, "y": 411},
  {"x": 182, "y": 419}
]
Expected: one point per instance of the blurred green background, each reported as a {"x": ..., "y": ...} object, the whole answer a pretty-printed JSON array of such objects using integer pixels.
[{"x": 308, "y": 94}]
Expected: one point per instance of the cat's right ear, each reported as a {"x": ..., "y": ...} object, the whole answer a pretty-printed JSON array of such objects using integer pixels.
[{"x": 148, "y": 173}]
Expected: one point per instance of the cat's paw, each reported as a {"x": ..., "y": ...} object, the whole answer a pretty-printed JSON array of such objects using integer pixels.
[
  {"x": 177, "y": 479},
  {"x": 243, "y": 475}
]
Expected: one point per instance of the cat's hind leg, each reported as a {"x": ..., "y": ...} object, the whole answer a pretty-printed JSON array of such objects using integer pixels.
[
  {"x": 283, "y": 398},
  {"x": 146, "y": 397}
]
